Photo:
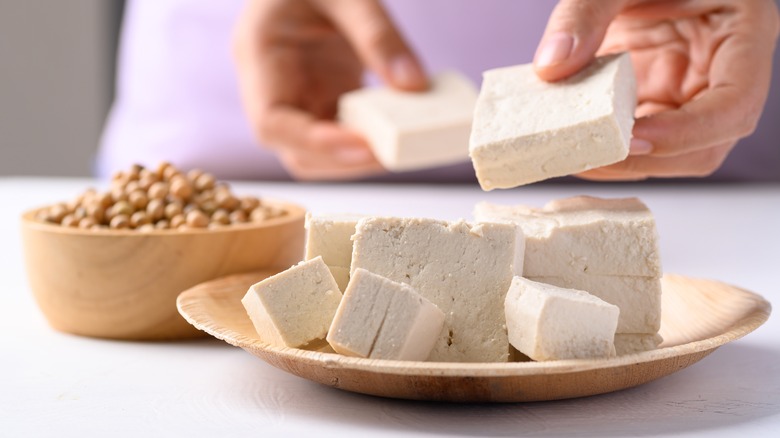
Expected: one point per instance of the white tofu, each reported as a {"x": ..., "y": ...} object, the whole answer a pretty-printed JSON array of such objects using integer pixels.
[
  {"x": 414, "y": 130},
  {"x": 639, "y": 298},
  {"x": 330, "y": 237},
  {"x": 294, "y": 307},
  {"x": 629, "y": 343},
  {"x": 527, "y": 130},
  {"x": 583, "y": 235},
  {"x": 383, "y": 319},
  {"x": 463, "y": 269},
  {"x": 546, "y": 322}
]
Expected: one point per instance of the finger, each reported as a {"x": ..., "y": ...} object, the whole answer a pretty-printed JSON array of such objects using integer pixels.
[
  {"x": 380, "y": 45},
  {"x": 323, "y": 167},
  {"x": 574, "y": 33},
  {"x": 303, "y": 170},
  {"x": 693, "y": 164},
  {"x": 288, "y": 129},
  {"x": 312, "y": 149},
  {"x": 606, "y": 175}
]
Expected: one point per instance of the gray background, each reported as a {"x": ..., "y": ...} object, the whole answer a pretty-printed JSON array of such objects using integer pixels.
[{"x": 56, "y": 83}]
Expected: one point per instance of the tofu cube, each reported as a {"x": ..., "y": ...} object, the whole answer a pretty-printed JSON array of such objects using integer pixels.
[
  {"x": 414, "y": 130},
  {"x": 295, "y": 307},
  {"x": 464, "y": 269},
  {"x": 546, "y": 322},
  {"x": 383, "y": 319},
  {"x": 527, "y": 130},
  {"x": 330, "y": 237},
  {"x": 583, "y": 235}
]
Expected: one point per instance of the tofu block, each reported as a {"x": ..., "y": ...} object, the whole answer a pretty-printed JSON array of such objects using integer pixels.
[
  {"x": 639, "y": 298},
  {"x": 414, "y": 130},
  {"x": 546, "y": 322},
  {"x": 294, "y": 307},
  {"x": 330, "y": 237},
  {"x": 383, "y": 319},
  {"x": 583, "y": 235},
  {"x": 630, "y": 343},
  {"x": 527, "y": 130},
  {"x": 464, "y": 269}
]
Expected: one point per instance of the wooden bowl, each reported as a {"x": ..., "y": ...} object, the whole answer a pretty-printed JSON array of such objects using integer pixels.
[
  {"x": 698, "y": 317},
  {"x": 123, "y": 284}
]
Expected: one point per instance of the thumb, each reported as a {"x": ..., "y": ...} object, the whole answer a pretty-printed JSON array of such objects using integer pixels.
[
  {"x": 380, "y": 45},
  {"x": 573, "y": 35}
]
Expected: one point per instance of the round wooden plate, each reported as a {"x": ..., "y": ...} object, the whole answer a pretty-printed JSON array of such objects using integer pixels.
[{"x": 698, "y": 317}]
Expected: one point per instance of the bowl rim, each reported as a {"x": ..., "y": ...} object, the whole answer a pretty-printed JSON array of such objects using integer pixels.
[{"x": 295, "y": 212}]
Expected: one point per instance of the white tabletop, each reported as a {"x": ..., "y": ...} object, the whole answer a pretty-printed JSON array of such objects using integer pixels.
[{"x": 54, "y": 384}]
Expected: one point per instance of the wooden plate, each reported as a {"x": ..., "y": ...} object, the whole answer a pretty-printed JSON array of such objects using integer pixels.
[{"x": 698, "y": 317}]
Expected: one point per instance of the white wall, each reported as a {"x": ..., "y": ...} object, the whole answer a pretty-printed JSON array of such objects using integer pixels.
[{"x": 56, "y": 68}]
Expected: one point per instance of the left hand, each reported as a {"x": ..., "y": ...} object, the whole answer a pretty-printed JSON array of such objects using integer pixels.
[
  {"x": 295, "y": 58},
  {"x": 703, "y": 71}
]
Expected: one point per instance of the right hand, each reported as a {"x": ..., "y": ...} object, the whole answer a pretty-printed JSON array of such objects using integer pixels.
[
  {"x": 703, "y": 74},
  {"x": 296, "y": 57}
]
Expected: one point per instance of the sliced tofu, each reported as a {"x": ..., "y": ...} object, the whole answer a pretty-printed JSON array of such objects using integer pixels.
[
  {"x": 527, "y": 130},
  {"x": 383, "y": 319},
  {"x": 414, "y": 130},
  {"x": 546, "y": 322},
  {"x": 295, "y": 307},
  {"x": 464, "y": 269}
]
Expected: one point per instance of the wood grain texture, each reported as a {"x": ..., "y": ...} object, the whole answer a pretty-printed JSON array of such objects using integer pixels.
[
  {"x": 698, "y": 317},
  {"x": 123, "y": 284}
]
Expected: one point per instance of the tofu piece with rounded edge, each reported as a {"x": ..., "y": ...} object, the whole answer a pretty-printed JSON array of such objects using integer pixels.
[
  {"x": 464, "y": 269},
  {"x": 414, "y": 130},
  {"x": 639, "y": 298},
  {"x": 630, "y": 343},
  {"x": 527, "y": 130},
  {"x": 330, "y": 236},
  {"x": 294, "y": 307},
  {"x": 583, "y": 235},
  {"x": 546, "y": 322},
  {"x": 383, "y": 319}
]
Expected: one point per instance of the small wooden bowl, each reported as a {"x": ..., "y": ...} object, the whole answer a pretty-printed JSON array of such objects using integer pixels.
[{"x": 123, "y": 284}]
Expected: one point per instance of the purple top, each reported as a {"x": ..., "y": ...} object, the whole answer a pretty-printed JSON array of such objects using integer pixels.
[{"x": 177, "y": 94}]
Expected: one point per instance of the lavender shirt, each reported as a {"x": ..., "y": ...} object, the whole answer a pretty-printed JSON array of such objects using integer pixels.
[{"x": 177, "y": 95}]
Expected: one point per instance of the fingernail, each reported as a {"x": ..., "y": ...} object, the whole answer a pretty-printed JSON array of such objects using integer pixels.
[
  {"x": 555, "y": 49},
  {"x": 353, "y": 155},
  {"x": 640, "y": 147},
  {"x": 406, "y": 73}
]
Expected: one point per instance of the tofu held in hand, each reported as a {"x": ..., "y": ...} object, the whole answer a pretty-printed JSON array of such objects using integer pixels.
[
  {"x": 414, "y": 130},
  {"x": 527, "y": 130}
]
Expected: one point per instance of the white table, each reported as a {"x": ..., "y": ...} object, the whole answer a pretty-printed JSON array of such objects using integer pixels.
[{"x": 54, "y": 384}]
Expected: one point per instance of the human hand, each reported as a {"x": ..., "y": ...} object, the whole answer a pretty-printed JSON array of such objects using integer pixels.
[
  {"x": 703, "y": 71},
  {"x": 295, "y": 58}
]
